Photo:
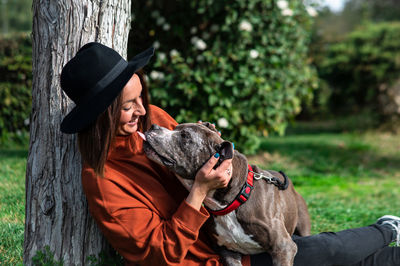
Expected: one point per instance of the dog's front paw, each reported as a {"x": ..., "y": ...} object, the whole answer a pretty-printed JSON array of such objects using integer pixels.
[{"x": 231, "y": 258}]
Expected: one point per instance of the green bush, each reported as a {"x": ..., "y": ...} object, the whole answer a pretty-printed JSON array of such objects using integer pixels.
[
  {"x": 358, "y": 66},
  {"x": 15, "y": 85},
  {"x": 240, "y": 64},
  {"x": 16, "y": 16}
]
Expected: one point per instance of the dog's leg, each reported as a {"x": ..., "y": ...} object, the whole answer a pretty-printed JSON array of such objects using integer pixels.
[
  {"x": 230, "y": 258},
  {"x": 283, "y": 247},
  {"x": 303, "y": 227},
  {"x": 283, "y": 253}
]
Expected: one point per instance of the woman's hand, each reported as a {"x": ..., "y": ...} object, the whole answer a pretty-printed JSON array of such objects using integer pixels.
[
  {"x": 212, "y": 124},
  {"x": 208, "y": 179}
]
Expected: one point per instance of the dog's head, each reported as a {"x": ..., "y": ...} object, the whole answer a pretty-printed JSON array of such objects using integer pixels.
[{"x": 185, "y": 149}]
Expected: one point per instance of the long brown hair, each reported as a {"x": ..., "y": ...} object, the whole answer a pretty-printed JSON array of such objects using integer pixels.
[{"x": 94, "y": 142}]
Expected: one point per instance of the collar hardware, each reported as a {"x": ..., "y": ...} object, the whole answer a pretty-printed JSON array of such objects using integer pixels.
[{"x": 273, "y": 180}]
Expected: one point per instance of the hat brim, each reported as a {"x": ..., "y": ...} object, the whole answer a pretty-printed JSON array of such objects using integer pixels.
[{"x": 84, "y": 114}]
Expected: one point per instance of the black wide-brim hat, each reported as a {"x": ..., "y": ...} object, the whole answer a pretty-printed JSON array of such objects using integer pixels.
[{"x": 93, "y": 78}]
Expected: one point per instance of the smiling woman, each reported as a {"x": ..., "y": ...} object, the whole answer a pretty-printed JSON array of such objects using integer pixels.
[
  {"x": 143, "y": 211},
  {"x": 132, "y": 107}
]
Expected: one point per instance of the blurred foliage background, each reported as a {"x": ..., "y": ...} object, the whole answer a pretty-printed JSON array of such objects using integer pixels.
[
  {"x": 15, "y": 86},
  {"x": 251, "y": 66},
  {"x": 241, "y": 64},
  {"x": 357, "y": 55},
  {"x": 15, "y": 16}
]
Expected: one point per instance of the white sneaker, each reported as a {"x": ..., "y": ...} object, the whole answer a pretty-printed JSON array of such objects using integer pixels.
[{"x": 394, "y": 221}]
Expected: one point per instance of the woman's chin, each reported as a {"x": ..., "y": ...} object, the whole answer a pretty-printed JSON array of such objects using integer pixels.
[{"x": 128, "y": 129}]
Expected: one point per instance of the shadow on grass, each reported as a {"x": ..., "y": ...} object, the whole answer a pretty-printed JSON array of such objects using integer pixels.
[
  {"x": 364, "y": 120},
  {"x": 13, "y": 153},
  {"x": 333, "y": 154}
]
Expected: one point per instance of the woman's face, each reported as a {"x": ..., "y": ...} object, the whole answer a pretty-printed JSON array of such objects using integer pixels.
[{"x": 132, "y": 107}]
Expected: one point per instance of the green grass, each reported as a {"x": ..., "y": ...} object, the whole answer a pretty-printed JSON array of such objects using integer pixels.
[
  {"x": 347, "y": 179},
  {"x": 12, "y": 204}
]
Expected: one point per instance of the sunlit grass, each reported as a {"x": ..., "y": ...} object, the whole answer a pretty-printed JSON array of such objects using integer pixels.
[
  {"x": 12, "y": 204},
  {"x": 347, "y": 179}
]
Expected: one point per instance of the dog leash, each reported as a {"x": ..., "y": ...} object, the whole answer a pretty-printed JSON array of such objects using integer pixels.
[
  {"x": 272, "y": 179},
  {"x": 248, "y": 187}
]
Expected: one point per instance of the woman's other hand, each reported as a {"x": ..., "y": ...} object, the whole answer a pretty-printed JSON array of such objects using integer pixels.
[{"x": 211, "y": 124}]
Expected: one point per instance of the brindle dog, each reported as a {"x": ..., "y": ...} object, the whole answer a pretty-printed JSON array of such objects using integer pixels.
[{"x": 264, "y": 223}]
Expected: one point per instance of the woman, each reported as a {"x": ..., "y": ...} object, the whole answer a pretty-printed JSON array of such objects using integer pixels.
[{"x": 141, "y": 208}]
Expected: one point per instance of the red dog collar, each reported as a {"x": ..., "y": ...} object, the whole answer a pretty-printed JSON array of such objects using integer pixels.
[{"x": 241, "y": 198}]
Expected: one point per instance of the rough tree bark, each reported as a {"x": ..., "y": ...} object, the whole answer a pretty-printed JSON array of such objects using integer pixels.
[{"x": 56, "y": 209}]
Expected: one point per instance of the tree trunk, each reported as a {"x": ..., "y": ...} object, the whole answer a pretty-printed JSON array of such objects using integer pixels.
[{"x": 56, "y": 209}]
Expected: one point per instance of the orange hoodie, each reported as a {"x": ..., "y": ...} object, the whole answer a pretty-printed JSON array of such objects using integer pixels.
[{"x": 141, "y": 209}]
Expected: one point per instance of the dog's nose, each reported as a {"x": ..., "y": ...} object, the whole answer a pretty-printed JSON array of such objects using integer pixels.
[{"x": 154, "y": 127}]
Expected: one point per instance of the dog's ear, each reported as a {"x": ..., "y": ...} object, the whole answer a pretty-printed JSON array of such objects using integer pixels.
[
  {"x": 209, "y": 125},
  {"x": 226, "y": 150}
]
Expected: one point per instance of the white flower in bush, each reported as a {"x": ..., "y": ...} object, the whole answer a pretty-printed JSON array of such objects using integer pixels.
[
  {"x": 287, "y": 12},
  {"x": 166, "y": 27},
  {"x": 245, "y": 26},
  {"x": 311, "y": 11},
  {"x": 198, "y": 43},
  {"x": 194, "y": 39},
  {"x": 26, "y": 122},
  {"x": 222, "y": 122},
  {"x": 193, "y": 30},
  {"x": 282, "y": 4},
  {"x": 173, "y": 53},
  {"x": 201, "y": 45},
  {"x": 161, "y": 56},
  {"x": 396, "y": 100},
  {"x": 160, "y": 21},
  {"x": 254, "y": 53},
  {"x": 156, "y": 44},
  {"x": 156, "y": 75}
]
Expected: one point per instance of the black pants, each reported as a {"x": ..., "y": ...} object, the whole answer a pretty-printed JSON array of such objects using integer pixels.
[{"x": 365, "y": 246}]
